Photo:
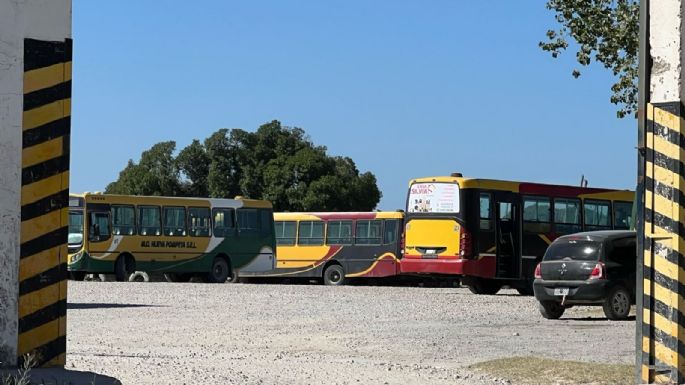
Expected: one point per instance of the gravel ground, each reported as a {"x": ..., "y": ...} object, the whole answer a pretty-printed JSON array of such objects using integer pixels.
[{"x": 163, "y": 333}]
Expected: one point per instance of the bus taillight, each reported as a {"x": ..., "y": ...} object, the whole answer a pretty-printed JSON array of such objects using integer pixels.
[{"x": 465, "y": 243}]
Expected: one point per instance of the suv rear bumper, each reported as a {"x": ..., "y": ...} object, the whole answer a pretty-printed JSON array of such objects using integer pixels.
[{"x": 580, "y": 292}]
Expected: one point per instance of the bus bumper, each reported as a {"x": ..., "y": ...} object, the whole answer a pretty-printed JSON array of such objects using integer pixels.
[{"x": 431, "y": 266}]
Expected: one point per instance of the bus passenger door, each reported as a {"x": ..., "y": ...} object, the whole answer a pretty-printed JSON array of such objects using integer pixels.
[{"x": 508, "y": 235}]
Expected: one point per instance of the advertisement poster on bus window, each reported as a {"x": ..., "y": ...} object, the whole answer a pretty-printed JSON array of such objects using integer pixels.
[{"x": 433, "y": 198}]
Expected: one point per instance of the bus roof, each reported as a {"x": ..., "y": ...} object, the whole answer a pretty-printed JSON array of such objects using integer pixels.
[
  {"x": 529, "y": 187},
  {"x": 160, "y": 200},
  {"x": 313, "y": 216}
]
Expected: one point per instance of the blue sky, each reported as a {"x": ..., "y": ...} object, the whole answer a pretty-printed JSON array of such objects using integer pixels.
[{"x": 405, "y": 88}]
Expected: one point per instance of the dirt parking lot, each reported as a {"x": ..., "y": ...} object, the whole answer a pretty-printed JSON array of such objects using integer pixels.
[{"x": 163, "y": 333}]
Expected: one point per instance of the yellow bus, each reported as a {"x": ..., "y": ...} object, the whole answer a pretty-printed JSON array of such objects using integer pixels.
[
  {"x": 336, "y": 246},
  {"x": 493, "y": 232},
  {"x": 180, "y": 237}
]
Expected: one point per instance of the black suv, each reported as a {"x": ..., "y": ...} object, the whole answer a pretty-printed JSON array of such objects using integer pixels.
[{"x": 591, "y": 268}]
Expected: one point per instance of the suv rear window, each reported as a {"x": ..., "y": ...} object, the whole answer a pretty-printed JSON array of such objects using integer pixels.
[{"x": 573, "y": 250}]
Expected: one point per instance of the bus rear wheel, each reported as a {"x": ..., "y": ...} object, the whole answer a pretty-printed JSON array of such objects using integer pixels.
[
  {"x": 484, "y": 286},
  {"x": 219, "y": 272},
  {"x": 124, "y": 267},
  {"x": 334, "y": 275}
]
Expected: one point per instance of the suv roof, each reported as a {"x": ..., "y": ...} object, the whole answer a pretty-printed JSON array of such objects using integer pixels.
[{"x": 600, "y": 235}]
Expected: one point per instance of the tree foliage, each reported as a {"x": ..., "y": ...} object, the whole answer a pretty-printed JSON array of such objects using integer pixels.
[
  {"x": 277, "y": 163},
  {"x": 606, "y": 31}
]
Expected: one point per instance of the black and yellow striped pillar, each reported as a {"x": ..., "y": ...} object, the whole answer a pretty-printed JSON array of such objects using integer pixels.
[
  {"x": 663, "y": 270},
  {"x": 44, "y": 201}
]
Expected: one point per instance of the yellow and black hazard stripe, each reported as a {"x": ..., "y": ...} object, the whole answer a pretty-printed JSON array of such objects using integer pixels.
[
  {"x": 663, "y": 298},
  {"x": 45, "y": 201}
]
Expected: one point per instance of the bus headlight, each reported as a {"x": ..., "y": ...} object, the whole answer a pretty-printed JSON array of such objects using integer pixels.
[{"x": 76, "y": 257}]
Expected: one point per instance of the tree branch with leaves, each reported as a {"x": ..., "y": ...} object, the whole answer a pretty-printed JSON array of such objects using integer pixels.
[{"x": 605, "y": 31}]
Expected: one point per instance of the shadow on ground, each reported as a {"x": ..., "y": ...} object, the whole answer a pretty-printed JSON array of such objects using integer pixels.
[
  {"x": 80, "y": 306},
  {"x": 59, "y": 376}
]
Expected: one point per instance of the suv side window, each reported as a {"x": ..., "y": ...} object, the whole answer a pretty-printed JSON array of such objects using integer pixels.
[{"x": 623, "y": 251}]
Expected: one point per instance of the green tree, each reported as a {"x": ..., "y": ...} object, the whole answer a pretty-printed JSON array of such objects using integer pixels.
[
  {"x": 603, "y": 30},
  {"x": 155, "y": 174},
  {"x": 193, "y": 162},
  {"x": 277, "y": 163}
]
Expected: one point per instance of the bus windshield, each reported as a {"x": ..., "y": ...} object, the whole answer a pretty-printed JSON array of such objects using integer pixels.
[
  {"x": 75, "y": 227},
  {"x": 433, "y": 197}
]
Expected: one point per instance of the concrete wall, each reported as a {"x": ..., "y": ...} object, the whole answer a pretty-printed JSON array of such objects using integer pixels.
[
  {"x": 37, "y": 19},
  {"x": 666, "y": 49}
]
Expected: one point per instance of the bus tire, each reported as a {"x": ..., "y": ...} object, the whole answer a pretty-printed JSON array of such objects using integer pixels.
[
  {"x": 77, "y": 275},
  {"x": 334, "y": 275},
  {"x": 124, "y": 267},
  {"x": 233, "y": 277},
  {"x": 139, "y": 276},
  {"x": 484, "y": 286},
  {"x": 219, "y": 272}
]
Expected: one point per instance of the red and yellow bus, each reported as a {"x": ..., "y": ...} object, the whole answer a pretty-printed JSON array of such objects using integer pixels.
[
  {"x": 336, "y": 246},
  {"x": 493, "y": 233}
]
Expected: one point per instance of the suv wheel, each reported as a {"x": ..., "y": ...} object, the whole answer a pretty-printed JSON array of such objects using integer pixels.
[
  {"x": 617, "y": 304},
  {"x": 551, "y": 309}
]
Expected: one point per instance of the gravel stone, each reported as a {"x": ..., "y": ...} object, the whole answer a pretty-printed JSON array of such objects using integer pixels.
[{"x": 190, "y": 333}]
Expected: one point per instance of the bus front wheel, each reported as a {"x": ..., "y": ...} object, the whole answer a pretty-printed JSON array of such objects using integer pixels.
[
  {"x": 334, "y": 275},
  {"x": 220, "y": 271}
]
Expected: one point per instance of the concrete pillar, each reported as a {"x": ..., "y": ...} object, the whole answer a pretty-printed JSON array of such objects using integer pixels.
[
  {"x": 35, "y": 104},
  {"x": 661, "y": 318}
]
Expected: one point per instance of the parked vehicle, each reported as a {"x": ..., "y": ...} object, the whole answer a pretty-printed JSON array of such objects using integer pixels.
[{"x": 590, "y": 268}]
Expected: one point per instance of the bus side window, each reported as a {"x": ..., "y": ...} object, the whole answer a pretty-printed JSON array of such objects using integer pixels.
[
  {"x": 339, "y": 233},
  {"x": 150, "y": 221},
  {"x": 224, "y": 222},
  {"x": 99, "y": 227},
  {"x": 367, "y": 232},
  {"x": 248, "y": 220},
  {"x": 199, "y": 219},
  {"x": 597, "y": 215},
  {"x": 266, "y": 221},
  {"x": 390, "y": 231},
  {"x": 310, "y": 233},
  {"x": 285, "y": 232},
  {"x": 536, "y": 214},
  {"x": 123, "y": 220},
  {"x": 485, "y": 212},
  {"x": 175, "y": 221},
  {"x": 567, "y": 216},
  {"x": 623, "y": 212}
]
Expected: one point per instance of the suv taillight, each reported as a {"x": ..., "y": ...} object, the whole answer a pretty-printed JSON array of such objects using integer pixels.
[
  {"x": 465, "y": 243},
  {"x": 598, "y": 272},
  {"x": 538, "y": 272}
]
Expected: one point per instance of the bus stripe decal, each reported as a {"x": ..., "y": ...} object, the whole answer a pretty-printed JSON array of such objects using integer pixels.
[
  {"x": 45, "y": 199},
  {"x": 663, "y": 297}
]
